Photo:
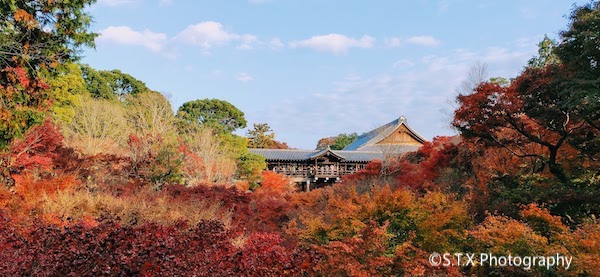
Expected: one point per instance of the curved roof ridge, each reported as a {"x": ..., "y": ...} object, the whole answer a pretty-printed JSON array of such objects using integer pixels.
[
  {"x": 325, "y": 150},
  {"x": 374, "y": 136}
]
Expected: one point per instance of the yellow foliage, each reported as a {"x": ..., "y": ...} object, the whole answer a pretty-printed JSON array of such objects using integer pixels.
[
  {"x": 99, "y": 126},
  {"x": 149, "y": 206},
  {"x": 502, "y": 235},
  {"x": 588, "y": 248},
  {"x": 441, "y": 222}
]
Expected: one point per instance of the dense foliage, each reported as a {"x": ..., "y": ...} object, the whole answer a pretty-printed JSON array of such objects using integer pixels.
[
  {"x": 35, "y": 35},
  {"x": 100, "y": 177},
  {"x": 338, "y": 142},
  {"x": 261, "y": 136}
]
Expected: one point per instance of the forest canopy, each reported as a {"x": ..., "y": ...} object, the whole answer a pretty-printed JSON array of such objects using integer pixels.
[{"x": 99, "y": 175}]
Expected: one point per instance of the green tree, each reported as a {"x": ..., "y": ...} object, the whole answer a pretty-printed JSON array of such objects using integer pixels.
[
  {"x": 342, "y": 140},
  {"x": 580, "y": 55},
  {"x": 338, "y": 142},
  {"x": 250, "y": 167},
  {"x": 35, "y": 35},
  {"x": 546, "y": 55},
  {"x": 112, "y": 84},
  {"x": 43, "y": 33},
  {"x": 261, "y": 136},
  {"x": 214, "y": 113},
  {"x": 67, "y": 87}
]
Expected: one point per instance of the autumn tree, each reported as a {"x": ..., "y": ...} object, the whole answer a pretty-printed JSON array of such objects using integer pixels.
[
  {"x": 213, "y": 113},
  {"x": 35, "y": 35},
  {"x": 527, "y": 111},
  {"x": 98, "y": 126},
  {"x": 261, "y": 136},
  {"x": 151, "y": 113},
  {"x": 552, "y": 103},
  {"x": 207, "y": 159}
]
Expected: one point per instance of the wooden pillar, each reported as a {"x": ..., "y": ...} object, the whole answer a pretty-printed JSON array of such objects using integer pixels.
[{"x": 307, "y": 188}]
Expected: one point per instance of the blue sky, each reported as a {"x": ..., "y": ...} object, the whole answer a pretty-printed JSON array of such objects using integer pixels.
[{"x": 313, "y": 69}]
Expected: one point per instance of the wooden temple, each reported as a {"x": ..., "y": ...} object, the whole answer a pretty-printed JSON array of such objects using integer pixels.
[{"x": 316, "y": 168}]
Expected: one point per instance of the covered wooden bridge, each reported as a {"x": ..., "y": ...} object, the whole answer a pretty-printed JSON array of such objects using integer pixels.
[{"x": 315, "y": 168}]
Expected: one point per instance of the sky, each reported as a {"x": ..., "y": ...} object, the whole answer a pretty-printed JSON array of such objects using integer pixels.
[{"x": 314, "y": 69}]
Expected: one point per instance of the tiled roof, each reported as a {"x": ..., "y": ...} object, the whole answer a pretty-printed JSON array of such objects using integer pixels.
[
  {"x": 359, "y": 156},
  {"x": 305, "y": 155},
  {"x": 369, "y": 139},
  {"x": 284, "y": 154},
  {"x": 390, "y": 149},
  {"x": 363, "y": 149}
]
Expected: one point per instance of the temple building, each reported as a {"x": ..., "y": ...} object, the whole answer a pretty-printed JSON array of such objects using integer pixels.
[{"x": 316, "y": 168}]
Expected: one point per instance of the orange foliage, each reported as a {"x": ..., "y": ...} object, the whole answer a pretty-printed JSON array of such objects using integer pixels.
[
  {"x": 588, "y": 248},
  {"x": 269, "y": 201},
  {"x": 541, "y": 221},
  {"x": 502, "y": 235},
  {"x": 361, "y": 255},
  {"x": 411, "y": 260},
  {"x": 422, "y": 169},
  {"x": 275, "y": 184},
  {"x": 38, "y": 149},
  {"x": 32, "y": 189}
]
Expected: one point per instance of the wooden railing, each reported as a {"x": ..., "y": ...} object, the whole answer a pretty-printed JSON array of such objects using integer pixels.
[{"x": 320, "y": 173}]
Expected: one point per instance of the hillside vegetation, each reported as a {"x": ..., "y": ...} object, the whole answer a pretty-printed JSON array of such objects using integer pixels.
[{"x": 98, "y": 175}]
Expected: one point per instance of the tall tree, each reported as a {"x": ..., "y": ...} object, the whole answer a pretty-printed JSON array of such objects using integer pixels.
[
  {"x": 554, "y": 102},
  {"x": 214, "y": 113},
  {"x": 112, "y": 84},
  {"x": 34, "y": 35},
  {"x": 579, "y": 52},
  {"x": 261, "y": 136},
  {"x": 546, "y": 54},
  {"x": 67, "y": 87}
]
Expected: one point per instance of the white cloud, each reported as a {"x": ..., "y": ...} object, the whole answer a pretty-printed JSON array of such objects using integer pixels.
[
  {"x": 393, "y": 42},
  {"x": 276, "y": 44},
  {"x": 335, "y": 43},
  {"x": 165, "y": 2},
  {"x": 115, "y": 3},
  {"x": 248, "y": 42},
  {"x": 423, "y": 92},
  {"x": 416, "y": 40},
  {"x": 244, "y": 77},
  {"x": 206, "y": 35},
  {"x": 423, "y": 41},
  {"x": 210, "y": 34},
  {"x": 403, "y": 63},
  {"x": 127, "y": 36}
]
